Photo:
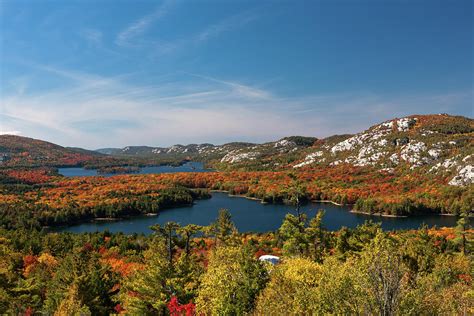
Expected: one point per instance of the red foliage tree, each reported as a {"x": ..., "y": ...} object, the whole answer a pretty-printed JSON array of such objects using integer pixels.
[{"x": 177, "y": 309}]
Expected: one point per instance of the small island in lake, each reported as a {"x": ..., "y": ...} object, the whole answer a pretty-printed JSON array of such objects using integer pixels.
[{"x": 118, "y": 170}]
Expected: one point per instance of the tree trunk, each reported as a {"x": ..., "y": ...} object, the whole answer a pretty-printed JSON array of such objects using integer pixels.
[
  {"x": 188, "y": 236},
  {"x": 170, "y": 255},
  {"x": 464, "y": 243}
]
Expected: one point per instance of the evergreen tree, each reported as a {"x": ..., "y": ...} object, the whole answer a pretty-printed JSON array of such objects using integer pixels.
[
  {"x": 292, "y": 232},
  {"x": 90, "y": 280},
  {"x": 186, "y": 277},
  {"x": 146, "y": 291},
  {"x": 168, "y": 232},
  {"x": 187, "y": 232},
  {"x": 316, "y": 236},
  {"x": 296, "y": 194},
  {"x": 463, "y": 225},
  {"x": 342, "y": 242},
  {"x": 223, "y": 229}
]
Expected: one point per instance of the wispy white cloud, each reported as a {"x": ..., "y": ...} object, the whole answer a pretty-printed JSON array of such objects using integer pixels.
[
  {"x": 241, "y": 89},
  {"x": 94, "y": 111},
  {"x": 127, "y": 36},
  {"x": 187, "y": 42},
  {"x": 225, "y": 25},
  {"x": 92, "y": 36}
]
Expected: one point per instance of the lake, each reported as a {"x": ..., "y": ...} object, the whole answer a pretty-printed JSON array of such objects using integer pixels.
[
  {"x": 253, "y": 216},
  {"x": 187, "y": 167}
]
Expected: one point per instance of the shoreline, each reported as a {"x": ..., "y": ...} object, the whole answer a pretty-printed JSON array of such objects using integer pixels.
[
  {"x": 107, "y": 219},
  {"x": 247, "y": 197},
  {"x": 379, "y": 214},
  {"x": 329, "y": 201},
  {"x": 261, "y": 200},
  {"x": 238, "y": 196}
]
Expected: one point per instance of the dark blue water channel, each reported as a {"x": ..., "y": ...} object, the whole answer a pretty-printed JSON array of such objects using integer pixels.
[
  {"x": 253, "y": 216},
  {"x": 187, "y": 167}
]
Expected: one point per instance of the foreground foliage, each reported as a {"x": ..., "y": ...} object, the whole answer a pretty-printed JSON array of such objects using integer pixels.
[{"x": 214, "y": 271}]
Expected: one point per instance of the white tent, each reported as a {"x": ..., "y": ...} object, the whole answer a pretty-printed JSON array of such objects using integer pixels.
[{"x": 269, "y": 258}]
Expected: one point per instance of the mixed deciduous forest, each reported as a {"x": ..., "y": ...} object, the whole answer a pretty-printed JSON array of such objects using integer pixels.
[
  {"x": 34, "y": 198},
  {"x": 215, "y": 270}
]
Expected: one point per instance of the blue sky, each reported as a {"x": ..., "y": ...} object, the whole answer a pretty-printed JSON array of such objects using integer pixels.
[{"x": 116, "y": 73}]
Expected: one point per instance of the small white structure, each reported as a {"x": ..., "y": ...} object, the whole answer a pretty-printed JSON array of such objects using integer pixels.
[{"x": 269, "y": 258}]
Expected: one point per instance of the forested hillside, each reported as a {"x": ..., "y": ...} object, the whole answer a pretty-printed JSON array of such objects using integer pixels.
[
  {"x": 17, "y": 151},
  {"x": 23, "y": 152}
]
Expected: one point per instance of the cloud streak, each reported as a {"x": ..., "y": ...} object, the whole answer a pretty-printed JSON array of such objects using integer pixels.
[
  {"x": 127, "y": 36},
  {"x": 161, "y": 47},
  {"x": 228, "y": 24},
  {"x": 92, "y": 36}
]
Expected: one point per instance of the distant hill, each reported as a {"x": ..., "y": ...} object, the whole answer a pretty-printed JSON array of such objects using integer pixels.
[
  {"x": 437, "y": 144},
  {"x": 191, "y": 149},
  {"x": 209, "y": 152},
  {"x": 24, "y": 151}
]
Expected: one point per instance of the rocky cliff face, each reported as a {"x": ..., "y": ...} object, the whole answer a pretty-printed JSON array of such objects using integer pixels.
[{"x": 440, "y": 144}]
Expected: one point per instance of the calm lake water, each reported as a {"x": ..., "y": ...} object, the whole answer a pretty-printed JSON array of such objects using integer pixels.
[
  {"x": 252, "y": 216},
  {"x": 187, "y": 167}
]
